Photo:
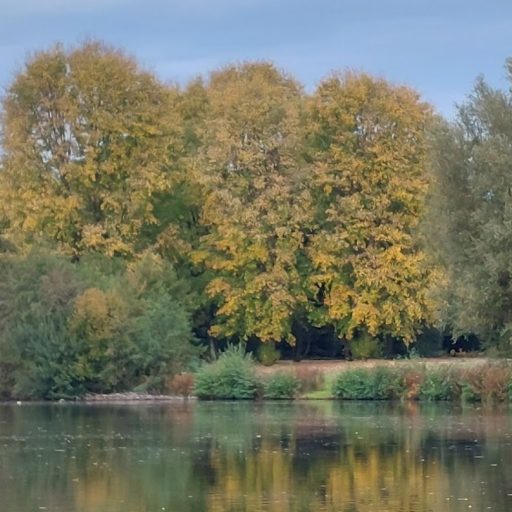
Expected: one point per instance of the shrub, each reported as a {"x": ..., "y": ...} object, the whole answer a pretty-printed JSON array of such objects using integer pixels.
[
  {"x": 281, "y": 386},
  {"x": 231, "y": 376},
  {"x": 182, "y": 384},
  {"x": 69, "y": 329},
  {"x": 268, "y": 354},
  {"x": 366, "y": 347},
  {"x": 468, "y": 393},
  {"x": 352, "y": 385},
  {"x": 6, "y": 381},
  {"x": 388, "y": 383},
  {"x": 489, "y": 383},
  {"x": 412, "y": 379},
  {"x": 509, "y": 391},
  {"x": 438, "y": 385},
  {"x": 369, "y": 384}
]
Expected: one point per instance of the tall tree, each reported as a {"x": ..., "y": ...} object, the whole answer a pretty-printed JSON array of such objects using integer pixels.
[
  {"x": 86, "y": 136},
  {"x": 177, "y": 209},
  {"x": 470, "y": 215},
  {"x": 369, "y": 157},
  {"x": 256, "y": 204}
]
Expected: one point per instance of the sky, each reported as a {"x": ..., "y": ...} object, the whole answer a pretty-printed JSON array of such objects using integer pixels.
[{"x": 438, "y": 47}]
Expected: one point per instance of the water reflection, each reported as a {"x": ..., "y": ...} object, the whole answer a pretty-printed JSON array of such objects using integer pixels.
[{"x": 273, "y": 457}]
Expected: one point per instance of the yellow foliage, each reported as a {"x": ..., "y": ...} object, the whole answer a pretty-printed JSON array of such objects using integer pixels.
[
  {"x": 369, "y": 171},
  {"x": 85, "y": 141},
  {"x": 98, "y": 315},
  {"x": 254, "y": 210}
]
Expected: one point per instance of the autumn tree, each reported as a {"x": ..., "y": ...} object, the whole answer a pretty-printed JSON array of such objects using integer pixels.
[
  {"x": 470, "y": 215},
  {"x": 368, "y": 151},
  {"x": 177, "y": 209},
  {"x": 256, "y": 203},
  {"x": 86, "y": 138}
]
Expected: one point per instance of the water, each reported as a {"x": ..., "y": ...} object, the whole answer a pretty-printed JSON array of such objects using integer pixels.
[{"x": 272, "y": 457}]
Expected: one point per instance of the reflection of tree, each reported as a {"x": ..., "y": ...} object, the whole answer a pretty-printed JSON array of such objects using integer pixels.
[
  {"x": 312, "y": 477},
  {"x": 215, "y": 457},
  {"x": 98, "y": 459},
  {"x": 392, "y": 460}
]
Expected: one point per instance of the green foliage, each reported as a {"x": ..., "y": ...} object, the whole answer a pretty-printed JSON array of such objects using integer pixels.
[
  {"x": 268, "y": 354},
  {"x": 438, "y": 385},
  {"x": 469, "y": 216},
  {"x": 487, "y": 383},
  {"x": 509, "y": 390},
  {"x": 366, "y": 347},
  {"x": 468, "y": 393},
  {"x": 281, "y": 386},
  {"x": 66, "y": 329},
  {"x": 231, "y": 376},
  {"x": 36, "y": 298},
  {"x": 429, "y": 343},
  {"x": 378, "y": 383},
  {"x": 277, "y": 208}
]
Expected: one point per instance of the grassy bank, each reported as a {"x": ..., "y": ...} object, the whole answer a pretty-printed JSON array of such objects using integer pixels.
[{"x": 235, "y": 376}]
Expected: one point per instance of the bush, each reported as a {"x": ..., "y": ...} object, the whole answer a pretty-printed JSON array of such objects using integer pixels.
[
  {"x": 438, "y": 385},
  {"x": 412, "y": 379},
  {"x": 489, "y": 383},
  {"x": 389, "y": 383},
  {"x": 468, "y": 393},
  {"x": 69, "y": 329},
  {"x": 6, "y": 381},
  {"x": 182, "y": 384},
  {"x": 509, "y": 391},
  {"x": 231, "y": 376},
  {"x": 268, "y": 354},
  {"x": 369, "y": 384},
  {"x": 281, "y": 386},
  {"x": 366, "y": 347}
]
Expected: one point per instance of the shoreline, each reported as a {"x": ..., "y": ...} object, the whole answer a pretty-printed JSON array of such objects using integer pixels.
[{"x": 328, "y": 368}]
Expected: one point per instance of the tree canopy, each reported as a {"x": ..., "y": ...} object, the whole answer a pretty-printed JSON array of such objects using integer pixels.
[
  {"x": 256, "y": 205},
  {"x": 368, "y": 150},
  {"x": 470, "y": 215},
  {"x": 86, "y": 138},
  {"x": 138, "y": 218}
]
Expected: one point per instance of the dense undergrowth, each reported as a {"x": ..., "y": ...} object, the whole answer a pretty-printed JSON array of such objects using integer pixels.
[{"x": 98, "y": 327}]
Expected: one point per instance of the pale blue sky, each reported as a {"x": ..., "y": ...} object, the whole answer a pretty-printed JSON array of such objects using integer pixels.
[{"x": 436, "y": 46}]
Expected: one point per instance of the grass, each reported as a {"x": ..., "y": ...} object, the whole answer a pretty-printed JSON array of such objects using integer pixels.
[
  {"x": 319, "y": 394},
  {"x": 324, "y": 391}
]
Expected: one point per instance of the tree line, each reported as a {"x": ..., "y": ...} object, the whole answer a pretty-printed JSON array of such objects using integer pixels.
[{"x": 141, "y": 222}]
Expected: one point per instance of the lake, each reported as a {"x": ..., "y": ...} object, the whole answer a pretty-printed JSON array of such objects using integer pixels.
[{"x": 275, "y": 457}]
